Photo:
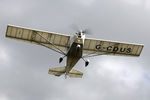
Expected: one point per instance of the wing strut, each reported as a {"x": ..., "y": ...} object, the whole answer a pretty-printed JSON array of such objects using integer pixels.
[
  {"x": 58, "y": 50},
  {"x": 51, "y": 48},
  {"x": 93, "y": 54},
  {"x": 86, "y": 56}
]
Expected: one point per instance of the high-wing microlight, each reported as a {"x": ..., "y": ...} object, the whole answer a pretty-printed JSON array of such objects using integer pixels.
[{"x": 74, "y": 48}]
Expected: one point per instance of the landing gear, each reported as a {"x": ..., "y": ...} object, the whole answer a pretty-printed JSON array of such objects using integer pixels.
[
  {"x": 86, "y": 62},
  {"x": 61, "y": 59},
  {"x": 65, "y": 76}
]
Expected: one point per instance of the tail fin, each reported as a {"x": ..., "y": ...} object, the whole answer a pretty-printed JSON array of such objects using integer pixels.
[
  {"x": 57, "y": 71},
  {"x": 75, "y": 73}
]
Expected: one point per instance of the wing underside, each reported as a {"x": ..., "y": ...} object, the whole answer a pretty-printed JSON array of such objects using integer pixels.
[
  {"x": 101, "y": 47},
  {"x": 50, "y": 40}
]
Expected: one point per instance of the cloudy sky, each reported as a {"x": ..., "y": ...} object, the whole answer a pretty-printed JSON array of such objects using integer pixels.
[{"x": 24, "y": 67}]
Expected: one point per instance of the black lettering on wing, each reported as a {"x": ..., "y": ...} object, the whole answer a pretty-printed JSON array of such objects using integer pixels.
[
  {"x": 98, "y": 47},
  {"x": 109, "y": 48},
  {"x": 128, "y": 50},
  {"x": 115, "y": 49},
  {"x": 122, "y": 49}
]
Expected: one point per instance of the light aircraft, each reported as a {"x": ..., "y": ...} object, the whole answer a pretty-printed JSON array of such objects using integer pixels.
[{"x": 74, "y": 48}]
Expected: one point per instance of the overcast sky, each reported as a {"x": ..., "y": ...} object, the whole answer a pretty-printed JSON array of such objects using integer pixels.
[{"x": 24, "y": 67}]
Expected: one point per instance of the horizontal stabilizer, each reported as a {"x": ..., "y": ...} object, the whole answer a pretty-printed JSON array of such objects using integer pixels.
[
  {"x": 57, "y": 71},
  {"x": 75, "y": 73}
]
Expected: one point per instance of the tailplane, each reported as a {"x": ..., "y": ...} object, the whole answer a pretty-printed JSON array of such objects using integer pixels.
[
  {"x": 75, "y": 73},
  {"x": 62, "y": 70},
  {"x": 57, "y": 71}
]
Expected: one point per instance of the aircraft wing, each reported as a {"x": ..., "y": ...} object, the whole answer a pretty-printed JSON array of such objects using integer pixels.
[
  {"x": 101, "y": 47},
  {"x": 50, "y": 40}
]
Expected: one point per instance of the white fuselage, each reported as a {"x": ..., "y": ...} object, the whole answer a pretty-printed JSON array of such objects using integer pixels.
[{"x": 75, "y": 51}]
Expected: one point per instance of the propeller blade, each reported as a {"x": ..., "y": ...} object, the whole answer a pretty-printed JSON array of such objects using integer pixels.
[
  {"x": 87, "y": 31},
  {"x": 77, "y": 29}
]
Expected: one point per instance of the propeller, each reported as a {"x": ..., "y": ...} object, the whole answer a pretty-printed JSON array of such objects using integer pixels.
[
  {"x": 87, "y": 31},
  {"x": 77, "y": 29}
]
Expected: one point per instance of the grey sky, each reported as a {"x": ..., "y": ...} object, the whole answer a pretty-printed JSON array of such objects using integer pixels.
[{"x": 24, "y": 67}]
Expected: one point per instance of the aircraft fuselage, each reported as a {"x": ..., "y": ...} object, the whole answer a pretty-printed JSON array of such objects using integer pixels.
[
  {"x": 73, "y": 55},
  {"x": 74, "y": 52}
]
